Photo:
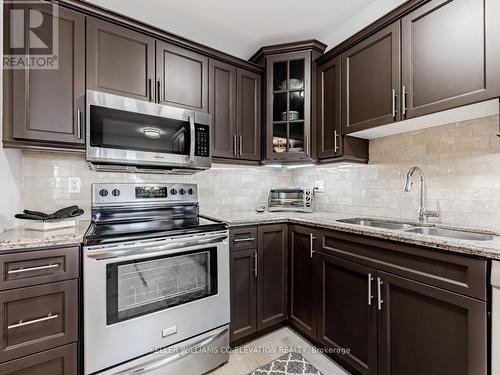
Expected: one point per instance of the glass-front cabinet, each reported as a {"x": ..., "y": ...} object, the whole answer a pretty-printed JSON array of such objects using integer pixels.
[{"x": 288, "y": 106}]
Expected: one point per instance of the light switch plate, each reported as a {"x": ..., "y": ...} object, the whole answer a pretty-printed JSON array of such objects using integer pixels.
[
  {"x": 74, "y": 184},
  {"x": 320, "y": 186}
]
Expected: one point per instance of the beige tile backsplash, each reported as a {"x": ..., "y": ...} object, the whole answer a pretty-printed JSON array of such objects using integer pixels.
[{"x": 461, "y": 162}]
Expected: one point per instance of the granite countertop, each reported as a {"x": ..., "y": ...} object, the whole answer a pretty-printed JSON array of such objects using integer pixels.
[
  {"x": 19, "y": 238},
  {"x": 327, "y": 220}
]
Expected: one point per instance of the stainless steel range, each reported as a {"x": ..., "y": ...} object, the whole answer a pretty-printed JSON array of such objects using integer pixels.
[{"x": 156, "y": 282}]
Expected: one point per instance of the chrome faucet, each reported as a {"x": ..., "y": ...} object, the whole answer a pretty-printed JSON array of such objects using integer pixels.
[{"x": 423, "y": 214}]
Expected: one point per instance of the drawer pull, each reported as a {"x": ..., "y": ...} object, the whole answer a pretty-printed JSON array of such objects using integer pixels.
[
  {"x": 39, "y": 320},
  {"x": 19, "y": 270},
  {"x": 244, "y": 239}
]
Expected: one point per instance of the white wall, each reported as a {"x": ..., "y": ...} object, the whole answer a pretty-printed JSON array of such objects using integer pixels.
[{"x": 11, "y": 169}]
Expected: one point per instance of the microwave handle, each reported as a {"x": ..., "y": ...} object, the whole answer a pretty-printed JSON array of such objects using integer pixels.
[{"x": 193, "y": 138}]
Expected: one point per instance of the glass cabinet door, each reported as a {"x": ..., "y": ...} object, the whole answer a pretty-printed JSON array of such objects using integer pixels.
[{"x": 289, "y": 125}]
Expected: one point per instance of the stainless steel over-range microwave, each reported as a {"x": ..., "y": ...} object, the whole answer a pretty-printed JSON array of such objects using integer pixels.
[{"x": 124, "y": 134}]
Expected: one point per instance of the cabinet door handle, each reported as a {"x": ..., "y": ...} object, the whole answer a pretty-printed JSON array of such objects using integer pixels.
[
  {"x": 79, "y": 124},
  {"x": 240, "y": 145},
  {"x": 37, "y": 268},
  {"x": 379, "y": 293},
  {"x": 255, "y": 264},
  {"x": 307, "y": 144},
  {"x": 29, "y": 322},
  {"x": 403, "y": 100},
  {"x": 150, "y": 89},
  {"x": 311, "y": 243},
  {"x": 158, "y": 89},
  {"x": 370, "y": 295},
  {"x": 336, "y": 147},
  {"x": 235, "y": 146},
  {"x": 394, "y": 97},
  {"x": 244, "y": 239}
]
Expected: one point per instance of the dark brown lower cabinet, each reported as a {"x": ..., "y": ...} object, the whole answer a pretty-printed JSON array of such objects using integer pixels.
[
  {"x": 302, "y": 283},
  {"x": 428, "y": 330},
  {"x": 259, "y": 278},
  {"x": 59, "y": 361},
  {"x": 347, "y": 312}
]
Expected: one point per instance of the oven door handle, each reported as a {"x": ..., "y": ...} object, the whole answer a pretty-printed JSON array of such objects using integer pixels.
[
  {"x": 143, "y": 249},
  {"x": 165, "y": 361}
]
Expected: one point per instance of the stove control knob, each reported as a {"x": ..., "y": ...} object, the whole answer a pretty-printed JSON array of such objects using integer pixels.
[
  {"x": 173, "y": 191},
  {"x": 115, "y": 192},
  {"x": 191, "y": 191},
  {"x": 103, "y": 192},
  {"x": 182, "y": 192}
]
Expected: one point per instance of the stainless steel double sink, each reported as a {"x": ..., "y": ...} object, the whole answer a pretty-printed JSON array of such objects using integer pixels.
[{"x": 424, "y": 230}]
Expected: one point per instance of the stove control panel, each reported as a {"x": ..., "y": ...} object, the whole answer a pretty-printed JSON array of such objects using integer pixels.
[{"x": 112, "y": 194}]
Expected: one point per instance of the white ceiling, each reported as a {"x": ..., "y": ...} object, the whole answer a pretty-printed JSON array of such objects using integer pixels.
[{"x": 241, "y": 27}]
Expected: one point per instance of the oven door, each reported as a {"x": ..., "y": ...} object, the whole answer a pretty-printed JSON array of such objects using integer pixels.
[
  {"x": 126, "y": 131},
  {"x": 143, "y": 297}
]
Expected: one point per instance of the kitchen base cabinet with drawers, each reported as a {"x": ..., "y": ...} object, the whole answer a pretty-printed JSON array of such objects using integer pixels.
[{"x": 39, "y": 312}]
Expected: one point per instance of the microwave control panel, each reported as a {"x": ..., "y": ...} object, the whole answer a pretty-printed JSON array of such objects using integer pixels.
[{"x": 202, "y": 140}]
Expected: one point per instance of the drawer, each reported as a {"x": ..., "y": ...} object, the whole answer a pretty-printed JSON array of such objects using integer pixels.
[
  {"x": 38, "y": 267},
  {"x": 458, "y": 273},
  {"x": 59, "y": 361},
  {"x": 243, "y": 238},
  {"x": 38, "y": 318}
]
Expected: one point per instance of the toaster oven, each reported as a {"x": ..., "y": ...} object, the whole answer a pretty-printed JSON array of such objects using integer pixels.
[{"x": 299, "y": 199}]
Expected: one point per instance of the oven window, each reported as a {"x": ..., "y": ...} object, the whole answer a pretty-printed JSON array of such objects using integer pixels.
[
  {"x": 144, "y": 286},
  {"x": 112, "y": 128}
]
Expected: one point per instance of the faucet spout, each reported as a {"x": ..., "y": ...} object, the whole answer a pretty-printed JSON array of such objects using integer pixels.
[{"x": 423, "y": 214}]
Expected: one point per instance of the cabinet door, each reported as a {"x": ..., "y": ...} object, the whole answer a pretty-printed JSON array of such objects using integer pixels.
[
  {"x": 347, "y": 312},
  {"x": 302, "y": 286},
  {"x": 451, "y": 54},
  {"x": 329, "y": 114},
  {"x": 59, "y": 361},
  {"x": 248, "y": 112},
  {"x": 119, "y": 61},
  {"x": 243, "y": 293},
  {"x": 272, "y": 275},
  {"x": 222, "y": 83},
  {"x": 371, "y": 80},
  {"x": 427, "y": 330},
  {"x": 182, "y": 77},
  {"x": 48, "y": 104}
]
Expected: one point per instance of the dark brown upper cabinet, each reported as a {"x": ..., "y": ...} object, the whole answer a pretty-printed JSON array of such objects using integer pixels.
[
  {"x": 347, "y": 312},
  {"x": 290, "y": 99},
  {"x": 371, "y": 81},
  {"x": 235, "y": 106},
  {"x": 445, "y": 332},
  {"x": 248, "y": 115},
  {"x": 302, "y": 280},
  {"x": 222, "y": 83},
  {"x": 272, "y": 306},
  {"x": 47, "y": 105},
  {"x": 120, "y": 61},
  {"x": 450, "y": 55},
  {"x": 181, "y": 77},
  {"x": 331, "y": 141}
]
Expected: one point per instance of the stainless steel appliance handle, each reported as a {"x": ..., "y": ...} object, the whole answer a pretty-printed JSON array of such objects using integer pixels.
[
  {"x": 393, "y": 103},
  {"x": 37, "y": 268},
  {"x": 169, "y": 359},
  {"x": 311, "y": 243},
  {"x": 403, "y": 99},
  {"x": 79, "y": 124},
  {"x": 244, "y": 239},
  {"x": 193, "y": 138},
  {"x": 34, "y": 321},
  {"x": 144, "y": 249},
  {"x": 255, "y": 264},
  {"x": 370, "y": 296},
  {"x": 379, "y": 293},
  {"x": 241, "y": 146}
]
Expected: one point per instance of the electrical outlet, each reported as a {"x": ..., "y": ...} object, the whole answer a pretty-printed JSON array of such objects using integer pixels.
[
  {"x": 74, "y": 184},
  {"x": 320, "y": 186}
]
